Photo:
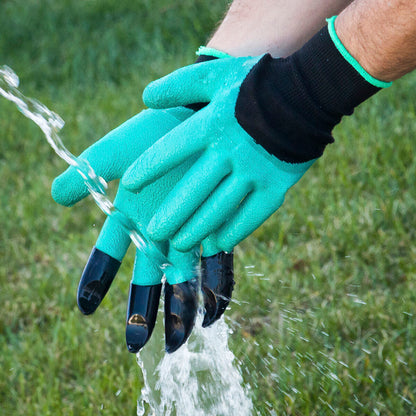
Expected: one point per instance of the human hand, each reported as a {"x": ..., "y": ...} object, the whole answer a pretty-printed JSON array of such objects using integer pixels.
[
  {"x": 266, "y": 123},
  {"x": 109, "y": 158}
]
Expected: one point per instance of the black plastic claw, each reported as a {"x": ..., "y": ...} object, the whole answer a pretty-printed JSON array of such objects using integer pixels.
[
  {"x": 217, "y": 283},
  {"x": 141, "y": 315},
  {"x": 96, "y": 279},
  {"x": 181, "y": 305}
]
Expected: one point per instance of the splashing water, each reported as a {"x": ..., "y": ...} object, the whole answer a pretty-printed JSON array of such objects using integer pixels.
[{"x": 202, "y": 377}]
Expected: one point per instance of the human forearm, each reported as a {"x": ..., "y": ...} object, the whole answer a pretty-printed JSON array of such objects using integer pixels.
[
  {"x": 278, "y": 27},
  {"x": 380, "y": 35}
]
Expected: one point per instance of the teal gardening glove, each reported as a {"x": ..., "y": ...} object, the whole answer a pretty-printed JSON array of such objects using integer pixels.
[
  {"x": 266, "y": 123},
  {"x": 109, "y": 158}
]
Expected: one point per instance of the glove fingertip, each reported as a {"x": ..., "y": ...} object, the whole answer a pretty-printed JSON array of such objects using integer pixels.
[
  {"x": 133, "y": 180},
  {"x": 128, "y": 180},
  {"x": 173, "y": 90},
  {"x": 68, "y": 188},
  {"x": 158, "y": 230},
  {"x": 183, "y": 245},
  {"x": 150, "y": 95}
]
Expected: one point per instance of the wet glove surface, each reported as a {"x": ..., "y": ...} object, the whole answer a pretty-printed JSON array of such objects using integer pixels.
[
  {"x": 266, "y": 123},
  {"x": 110, "y": 157}
]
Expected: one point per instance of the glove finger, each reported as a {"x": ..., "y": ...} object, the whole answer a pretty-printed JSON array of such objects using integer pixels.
[
  {"x": 191, "y": 84},
  {"x": 102, "y": 266},
  {"x": 109, "y": 157},
  {"x": 142, "y": 307},
  {"x": 168, "y": 152},
  {"x": 181, "y": 297},
  {"x": 218, "y": 207},
  {"x": 253, "y": 211},
  {"x": 116, "y": 151},
  {"x": 187, "y": 195},
  {"x": 217, "y": 283}
]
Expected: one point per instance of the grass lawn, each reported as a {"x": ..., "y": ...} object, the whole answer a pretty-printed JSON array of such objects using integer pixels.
[{"x": 325, "y": 322}]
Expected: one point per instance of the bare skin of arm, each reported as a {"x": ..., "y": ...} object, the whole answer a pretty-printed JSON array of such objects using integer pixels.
[
  {"x": 379, "y": 34},
  {"x": 278, "y": 27}
]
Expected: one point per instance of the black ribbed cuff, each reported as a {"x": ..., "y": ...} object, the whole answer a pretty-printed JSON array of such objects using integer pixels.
[
  {"x": 290, "y": 106},
  {"x": 332, "y": 82}
]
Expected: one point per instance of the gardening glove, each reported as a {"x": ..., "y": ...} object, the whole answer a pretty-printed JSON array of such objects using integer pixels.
[
  {"x": 109, "y": 158},
  {"x": 266, "y": 123}
]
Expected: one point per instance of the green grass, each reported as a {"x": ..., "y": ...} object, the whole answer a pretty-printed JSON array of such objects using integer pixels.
[{"x": 330, "y": 324}]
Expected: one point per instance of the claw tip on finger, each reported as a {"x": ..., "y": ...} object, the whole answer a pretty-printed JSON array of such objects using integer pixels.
[
  {"x": 96, "y": 279},
  {"x": 141, "y": 315},
  {"x": 137, "y": 333},
  {"x": 181, "y": 306},
  {"x": 217, "y": 285},
  {"x": 176, "y": 336}
]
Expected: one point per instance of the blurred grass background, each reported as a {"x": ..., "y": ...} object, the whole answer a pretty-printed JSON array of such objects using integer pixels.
[{"x": 325, "y": 321}]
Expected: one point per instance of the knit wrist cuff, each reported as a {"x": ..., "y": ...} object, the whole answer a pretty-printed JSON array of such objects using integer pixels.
[{"x": 350, "y": 59}]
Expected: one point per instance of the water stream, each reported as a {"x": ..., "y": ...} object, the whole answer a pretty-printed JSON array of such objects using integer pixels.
[{"x": 51, "y": 123}]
